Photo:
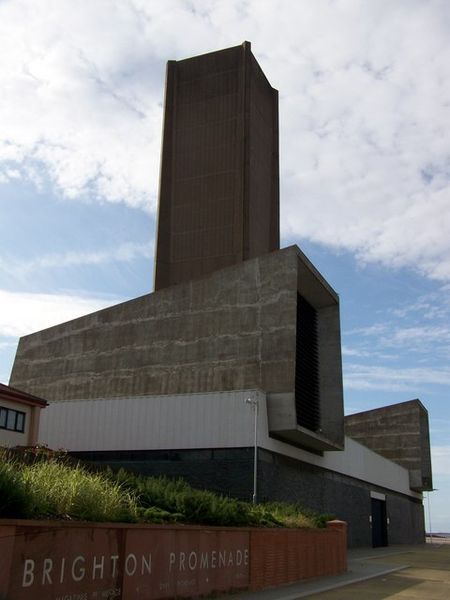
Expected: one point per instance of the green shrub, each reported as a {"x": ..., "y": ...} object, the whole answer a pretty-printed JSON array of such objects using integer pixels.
[
  {"x": 153, "y": 514},
  {"x": 178, "y": 497},
  {"x": 57, "y": 489},
  {"x": 294, "y": 515},
  {"x": 47, "y": 485},
  {"x": 322, "y": 519},
  {"x": 175, "y": 496}
]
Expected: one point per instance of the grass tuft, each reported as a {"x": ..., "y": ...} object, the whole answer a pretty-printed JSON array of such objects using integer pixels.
[{"x": 72, "y": 492}]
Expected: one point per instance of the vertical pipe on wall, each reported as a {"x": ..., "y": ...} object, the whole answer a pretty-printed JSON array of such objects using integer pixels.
[{"x": 254, "y": 404}]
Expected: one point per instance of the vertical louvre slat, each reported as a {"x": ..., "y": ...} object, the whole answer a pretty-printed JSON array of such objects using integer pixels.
[{"x": 307, "y": 399}]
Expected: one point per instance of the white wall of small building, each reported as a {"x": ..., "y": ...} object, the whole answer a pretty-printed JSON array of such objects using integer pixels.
[
  {"x": 10, "y": 438},
  {"x": 198, "y": 421}
]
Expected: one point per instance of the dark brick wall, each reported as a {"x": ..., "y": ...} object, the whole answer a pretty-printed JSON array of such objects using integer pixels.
[
  {"x": 230, "y": 472},
  {"x": 286, "y": 479},
  {"x": 224, "y": 471},
  {"x": 407, "y": 520},
  {"x": 283, "y": 478}
]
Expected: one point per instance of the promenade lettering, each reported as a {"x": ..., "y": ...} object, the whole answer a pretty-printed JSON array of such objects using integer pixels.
[{"x": 81, "y": 568}]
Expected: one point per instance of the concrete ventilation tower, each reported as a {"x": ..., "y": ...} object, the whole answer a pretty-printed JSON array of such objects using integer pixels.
[{"x": 219, "y": 184}]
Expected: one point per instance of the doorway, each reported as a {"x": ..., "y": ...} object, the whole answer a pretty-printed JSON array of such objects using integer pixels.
[{"x": 379, "y": 523}]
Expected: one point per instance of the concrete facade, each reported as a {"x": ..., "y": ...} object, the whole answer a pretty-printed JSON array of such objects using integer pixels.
[
  {"x": 232, "y": 330},
  {"x": 400, "y": 433},
  {"x": 235, "y": 329},
  {"x": 219, "y": 182}
]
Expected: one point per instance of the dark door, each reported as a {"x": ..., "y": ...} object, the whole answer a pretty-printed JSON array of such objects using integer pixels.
[{"x": 379, "y": 523}]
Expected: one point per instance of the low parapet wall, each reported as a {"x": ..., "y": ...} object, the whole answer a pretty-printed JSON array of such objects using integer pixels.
[{"x": 84, "y": 561}]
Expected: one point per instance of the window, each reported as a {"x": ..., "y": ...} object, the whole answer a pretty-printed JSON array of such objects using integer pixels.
[
  {"x": 20, "y": 421},
  {"x": 13, "y": 420}
]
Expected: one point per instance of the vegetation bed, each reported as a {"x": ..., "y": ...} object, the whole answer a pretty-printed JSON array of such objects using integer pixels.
[{"x": 43, "y": 485}]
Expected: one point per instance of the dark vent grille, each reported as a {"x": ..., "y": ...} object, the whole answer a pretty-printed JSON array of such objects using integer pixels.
[{"x": 307, "y": 367}]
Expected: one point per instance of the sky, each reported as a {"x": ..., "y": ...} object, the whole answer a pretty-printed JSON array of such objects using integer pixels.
[{"x": 364, "y": 165}]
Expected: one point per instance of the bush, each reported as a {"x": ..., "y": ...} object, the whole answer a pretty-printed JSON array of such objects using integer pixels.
[
  {"x": 290, "y": 515},
  {"x": 202, "y": 506},
  {"x": 322, "y": 520},
  {"x": 153, "y": 514},
  {"x": 49, "y": 485},
  {"x": 58, "y": 490},
  {"x": 190, "y": 504}
]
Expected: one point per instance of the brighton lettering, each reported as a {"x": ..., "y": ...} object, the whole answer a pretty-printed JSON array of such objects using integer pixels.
[
  {"x": 49, "y": 571},
  {"x": 80, "y": 568}
]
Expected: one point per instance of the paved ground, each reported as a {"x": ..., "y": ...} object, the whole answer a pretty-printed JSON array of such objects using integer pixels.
[{"x": 399, "y": 572}]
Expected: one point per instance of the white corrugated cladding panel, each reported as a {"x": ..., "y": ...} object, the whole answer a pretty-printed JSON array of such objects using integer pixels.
[{"x": 215, "y": 420}]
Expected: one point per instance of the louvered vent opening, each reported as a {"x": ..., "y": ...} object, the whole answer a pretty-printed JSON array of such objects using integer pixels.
[{"x": 307, "y": 367}]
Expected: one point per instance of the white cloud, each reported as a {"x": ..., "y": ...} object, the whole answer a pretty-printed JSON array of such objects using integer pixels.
[
  {"x": 431, "y": 341},
  {"x": 440, "y": 460},
  {"x": 375, "y": 329},
  {"x": 412, "y": 380},
  {"x": 25, "y": 313},
  {"x": 364, "y": 99},
  {"x": 126, "y": 252},
  {"x": 417, "y": 337},
  {"x": 81, "y": 97},
  {"x": 439, "y": 426},
  {"x": 366, "y": 353},
  {"x": 421, "y": 337},
  {"x": 6, "y": 344},
  {"x": 346, "y": 351},
  {"x": 420, "y": 327}
]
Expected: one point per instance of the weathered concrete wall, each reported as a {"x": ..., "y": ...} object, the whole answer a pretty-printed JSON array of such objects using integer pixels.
[
  {"x": 284, "y": 408},
  {"x": 232, "y": 330},
  {"x": 400, "y": 433},
  {"x": 235, "y": 329}
]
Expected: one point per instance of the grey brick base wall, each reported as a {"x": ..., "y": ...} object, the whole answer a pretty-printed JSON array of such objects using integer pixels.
[
  {"x": 283, "y": 478},
  {"x": 230, "y": 472}
]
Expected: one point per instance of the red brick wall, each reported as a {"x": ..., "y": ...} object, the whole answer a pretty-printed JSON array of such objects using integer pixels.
[
  {"x": 283, "y": 556},
  {"x": 85, "y": 561}
]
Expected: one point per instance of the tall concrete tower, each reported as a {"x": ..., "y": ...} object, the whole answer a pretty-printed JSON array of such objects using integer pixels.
[{"x": 219, "y": 183}]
